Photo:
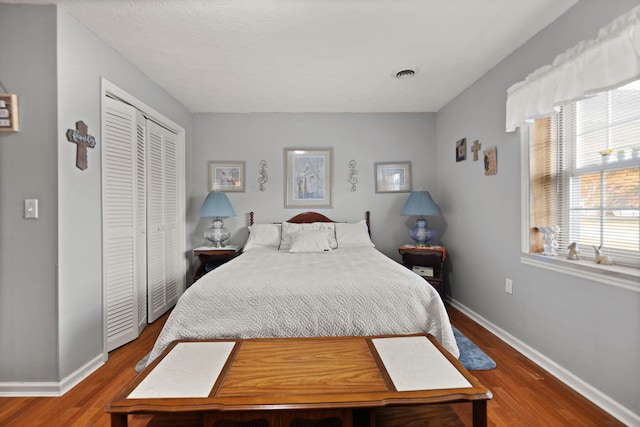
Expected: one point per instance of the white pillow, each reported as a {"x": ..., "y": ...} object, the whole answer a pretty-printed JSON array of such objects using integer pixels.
[
  {"x": 353, "y": 235},
  {"x": 309, "y": 241},
  {"x": 263, "y": 235},
  {"x": 289, "y": 228}
]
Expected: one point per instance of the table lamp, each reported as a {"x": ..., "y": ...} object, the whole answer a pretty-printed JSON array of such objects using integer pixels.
[
  {"x": 217, "y": 206},
  {"x": 420, "y": 204}
]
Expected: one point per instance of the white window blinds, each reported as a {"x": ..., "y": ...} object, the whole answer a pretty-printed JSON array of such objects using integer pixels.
[{"x": 585, "y": 173}]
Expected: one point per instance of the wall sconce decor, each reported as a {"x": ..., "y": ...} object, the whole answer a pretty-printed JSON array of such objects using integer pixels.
[
  {"x": 351, "y": 178},
  {"x": 262, "y": 175}
]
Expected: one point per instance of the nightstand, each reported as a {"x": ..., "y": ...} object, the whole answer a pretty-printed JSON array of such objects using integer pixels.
[
  {"x": 209, "y": 258},
  {"x": 426, "y": 262}
]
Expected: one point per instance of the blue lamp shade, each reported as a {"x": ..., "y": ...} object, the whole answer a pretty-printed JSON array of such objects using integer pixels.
[
  {"x": 420, "y": 204},
  {"x": 217, "y": 206}
]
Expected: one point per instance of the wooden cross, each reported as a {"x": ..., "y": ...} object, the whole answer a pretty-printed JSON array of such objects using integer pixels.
[
  {"x": 475, "y": 148},
  {"x": 80, "y": 136}
]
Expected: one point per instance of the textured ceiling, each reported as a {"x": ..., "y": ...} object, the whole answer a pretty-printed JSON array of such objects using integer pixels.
[{"x": 313, "y": 55}]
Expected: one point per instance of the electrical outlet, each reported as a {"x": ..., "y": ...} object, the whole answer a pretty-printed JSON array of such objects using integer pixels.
[{"x": 509, "y": 286}]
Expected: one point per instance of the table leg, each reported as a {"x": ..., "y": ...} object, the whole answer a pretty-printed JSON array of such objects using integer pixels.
[
  {"x": 119, "y": 420},
  {"x": 364, "y": 417},
  {"x": 479, "y": 413}
]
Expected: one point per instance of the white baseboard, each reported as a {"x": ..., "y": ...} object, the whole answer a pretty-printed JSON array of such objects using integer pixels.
[
  {"x": 52, "y": 388},
  {"x": 605, "y": 402}
]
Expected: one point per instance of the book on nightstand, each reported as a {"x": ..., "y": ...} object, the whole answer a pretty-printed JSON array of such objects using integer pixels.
[{"x": 423, "y": 271}]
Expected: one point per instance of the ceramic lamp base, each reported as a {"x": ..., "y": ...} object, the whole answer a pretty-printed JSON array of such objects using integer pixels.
[
  {"x": 217, "y": 234},
  {"x": 421, "y": 233}
]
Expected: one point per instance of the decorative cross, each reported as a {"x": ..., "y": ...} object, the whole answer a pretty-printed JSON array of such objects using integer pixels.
[
  {"x": 475, "y": 148},
  {"x": 80, "y": 136}
]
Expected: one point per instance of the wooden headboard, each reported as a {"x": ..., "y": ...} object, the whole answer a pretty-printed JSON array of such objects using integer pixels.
[{"x": 308, "y": 217}]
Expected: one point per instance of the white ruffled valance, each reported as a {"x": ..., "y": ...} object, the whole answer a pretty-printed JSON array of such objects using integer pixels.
[{"x": 609, "y": 61}]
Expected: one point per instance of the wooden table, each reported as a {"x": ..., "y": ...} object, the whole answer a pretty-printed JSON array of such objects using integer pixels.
[{"x": 293, "y": 381}]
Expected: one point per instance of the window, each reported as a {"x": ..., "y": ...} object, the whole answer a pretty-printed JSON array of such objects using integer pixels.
[{"x": 584, "y": 175}]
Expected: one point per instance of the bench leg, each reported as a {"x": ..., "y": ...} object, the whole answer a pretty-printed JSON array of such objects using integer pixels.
[
  {"x": 119, "y": 420},
  {"x": 479, "y": 413},
  {"x": 364, "y": 417}
]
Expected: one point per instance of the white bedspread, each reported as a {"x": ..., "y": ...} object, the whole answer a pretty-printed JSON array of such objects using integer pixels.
[{"x": 268, "y": 293}]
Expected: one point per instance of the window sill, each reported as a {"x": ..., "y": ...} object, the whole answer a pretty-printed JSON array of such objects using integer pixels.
[{"x": 612, "y": 275}]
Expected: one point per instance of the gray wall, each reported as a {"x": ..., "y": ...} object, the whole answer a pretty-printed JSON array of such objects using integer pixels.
[
  {"x": 365, "y": 138},
  {"x": 28, "y": 247},
  {"x": 589, "y": 328},
  {"x": 82, "y": 60},
  {"x": 52, "y": 329}
]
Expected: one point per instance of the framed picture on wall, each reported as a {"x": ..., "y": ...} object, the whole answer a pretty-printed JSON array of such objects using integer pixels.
[
  {"x": 461, "y": 150},
  {"x": 491, "y": 161},
  {"x": 307, "y": 177},
  {"x": 227, "y": 176},
  {"x": 393, "y": 177}
]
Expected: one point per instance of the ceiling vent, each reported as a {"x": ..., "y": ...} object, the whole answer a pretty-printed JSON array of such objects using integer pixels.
[{"x": 405, "y": 73}]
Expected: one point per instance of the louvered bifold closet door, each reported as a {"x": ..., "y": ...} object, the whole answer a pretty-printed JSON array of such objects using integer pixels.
[
  {"x": 119, "y": 192},
  {"x": 164, "y": 281},
  {"x": 141, "y": 219},
  {"x": 173, "y": 276}
]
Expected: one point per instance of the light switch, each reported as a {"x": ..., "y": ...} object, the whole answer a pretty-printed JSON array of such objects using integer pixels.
[{"x": 31, "y": 208}]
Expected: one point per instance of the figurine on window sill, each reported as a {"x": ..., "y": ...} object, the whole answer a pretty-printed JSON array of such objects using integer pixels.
[
  {"x": 550, "y": 236},
  {"x": 600, "y": 258},
  {"x": 574, "y": 252}
]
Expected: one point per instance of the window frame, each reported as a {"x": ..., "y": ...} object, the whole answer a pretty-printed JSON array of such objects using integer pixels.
[{"x": 586, "y": 268}]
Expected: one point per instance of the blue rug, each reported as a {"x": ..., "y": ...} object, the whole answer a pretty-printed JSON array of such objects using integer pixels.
[{"x": 471, "y": 356}]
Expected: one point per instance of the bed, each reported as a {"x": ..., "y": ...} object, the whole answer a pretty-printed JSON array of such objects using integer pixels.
[{"x": 308, "y": 276}]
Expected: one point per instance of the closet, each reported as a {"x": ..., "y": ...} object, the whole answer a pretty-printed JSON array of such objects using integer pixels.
[
  {"x": 162, "y": 217},
  {"x": 141, "y": 199}
]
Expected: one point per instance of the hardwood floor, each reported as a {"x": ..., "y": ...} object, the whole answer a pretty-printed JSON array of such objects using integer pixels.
[{"x": 523, "y": 394}]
